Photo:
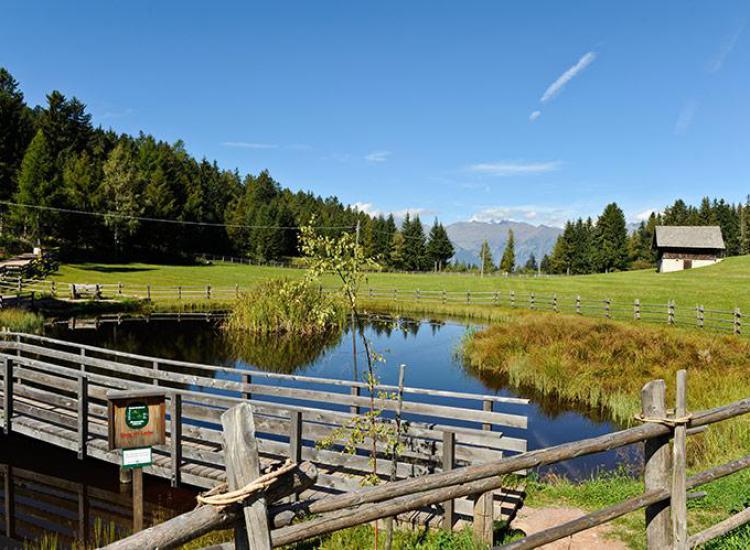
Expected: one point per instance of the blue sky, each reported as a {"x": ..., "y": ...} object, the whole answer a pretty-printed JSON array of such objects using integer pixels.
[{"x": 419, "y": 105}]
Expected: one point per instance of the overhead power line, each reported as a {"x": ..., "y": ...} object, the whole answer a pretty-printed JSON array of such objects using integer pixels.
[{"x": 162, "y": 220}]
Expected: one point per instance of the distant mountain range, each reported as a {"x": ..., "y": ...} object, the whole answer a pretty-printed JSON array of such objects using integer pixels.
[{"x": 467, "y": 238}]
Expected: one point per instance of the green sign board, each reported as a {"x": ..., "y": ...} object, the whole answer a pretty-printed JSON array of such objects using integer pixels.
[{"x": 136, "y": 415}]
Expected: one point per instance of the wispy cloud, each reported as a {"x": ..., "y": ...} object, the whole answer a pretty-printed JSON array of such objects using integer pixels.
[
  {"x": 727, "y": 45},
  {"x": 533, "y": 214},
  {"x": 513, "y": 168},
  {"x": 685, "y": 117},
  {"x": 643, "y": 215},
  {"x": 557, "y": 86},
  {"x": 377, "y": 156},
  {"x": 249, "y": 145},
  {"x": 370, "y": 209},
  {"x": 535, "y": 115}
]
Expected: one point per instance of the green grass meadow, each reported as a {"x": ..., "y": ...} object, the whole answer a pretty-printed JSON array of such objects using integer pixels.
[{"x": 723, "y": 286}]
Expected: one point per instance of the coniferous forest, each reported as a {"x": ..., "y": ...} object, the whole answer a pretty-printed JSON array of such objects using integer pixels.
[
  {"x": 96, "y": 194},
  {"x": 586, "y": 246}
]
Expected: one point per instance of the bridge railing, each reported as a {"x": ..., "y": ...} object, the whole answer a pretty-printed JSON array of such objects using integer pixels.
[{"x": 55, "y": 391}]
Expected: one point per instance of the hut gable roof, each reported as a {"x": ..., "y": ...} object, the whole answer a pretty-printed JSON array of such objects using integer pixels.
[{"x": 681, "y": 236}]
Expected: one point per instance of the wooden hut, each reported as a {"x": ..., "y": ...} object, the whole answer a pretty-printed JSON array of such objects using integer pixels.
[{"x": 685, "y": 247}]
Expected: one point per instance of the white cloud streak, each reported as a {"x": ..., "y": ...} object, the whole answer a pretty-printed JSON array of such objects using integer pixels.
[
  {"x": 377, "y": 156},
  {"x": 685, "y": 118},
  {"x": 533, "y": 214},
  {"x": 535, "y": 115},
  {"x": 726, "y": 48},
  {"x": 370, "y": 209},
  {"x": 502, "y": 169},
  {"x": 557, "y": 86}
]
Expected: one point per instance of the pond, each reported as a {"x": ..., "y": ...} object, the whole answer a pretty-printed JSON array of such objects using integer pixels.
[{"x": 428, "y": 348}]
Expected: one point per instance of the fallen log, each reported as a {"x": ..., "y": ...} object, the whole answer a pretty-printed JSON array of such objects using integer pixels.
[{"x": 204, "y": 519}]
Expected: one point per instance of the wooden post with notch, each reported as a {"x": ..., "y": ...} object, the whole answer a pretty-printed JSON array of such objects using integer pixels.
[
  {"x": 658, "y": 468},
  {"x": 7, "y": 395},
  {"x": 484, "y": 503},
  {"x": 175, "y": 435},
  {"x": 83, "y": 415},
  {"x": 449, "y": 447},
  {"x": 679, "y": 487},
  {"x": 243, "y": 466},
  {"x": 137, "y": 500}
]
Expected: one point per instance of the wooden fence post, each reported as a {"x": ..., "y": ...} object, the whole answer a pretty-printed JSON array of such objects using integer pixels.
[
  {"x": 484, "y": 503},
  {"x": 54, "y": 289},
  {"x": 578, "y": 304},
  {"x": 512, "y": 298},
  {"x": 119, "y": 289},
  {"x": 449, "y": 447},
  {"x": 295, "y": 436},
  {"x": 179, "y": 293},
  {"x": 417, "y": 294},
  {"x": 355, "y": 392},
  {"x": 445, "y": 297},
  {"x": 637, "y": 310},
  {"x": 701, "y": 316},
  {"x": 175, "y": 436},
  {"x": 468, "y": 296},
  {"x": 532, "y": 301},
  {"x": 658, "y": 468},
  {"x": 243, "y": 466},
  {"x": 208, "y": 292},
  {"x": 670, "y": 313},
  {"x": 148, "y": 293},
  {"x": 7, "y": 395},
  {"x": 737, "y": 321},
  {"x": 554, "y": 303},
  {"x": 679, "y": 487},
  {"x": 83, "y": 415},
  {"x": 236, "y": 291},
  {"x": 607, "y": 308},
  {"x": 247, "y": 379}
]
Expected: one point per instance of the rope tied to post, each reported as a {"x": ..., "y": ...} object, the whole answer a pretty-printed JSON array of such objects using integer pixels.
[
  {"x": 671, "y": 421},
  {"x": 220, "y": 497}
]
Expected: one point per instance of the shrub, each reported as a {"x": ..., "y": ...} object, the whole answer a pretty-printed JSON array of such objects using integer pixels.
[
  {"x": 286, "y": 306},
  {"x": 19, "y": 320}
]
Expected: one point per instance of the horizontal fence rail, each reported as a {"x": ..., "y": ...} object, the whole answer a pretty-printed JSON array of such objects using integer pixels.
[
  {"x": 17, "y": 292},
  {"x": 55, "y": 390}
]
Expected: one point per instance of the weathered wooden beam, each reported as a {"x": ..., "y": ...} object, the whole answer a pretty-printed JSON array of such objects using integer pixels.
[
  {"x": 243, "y": 467},
  {"x": 175, "y": 435},
  {"x": 658, "y": 467},
  {"x": 177, "y": 531},
  {"x": 83, "y": 415},
  {"x": 722, "y": 528},
  {"x": 7, "y": 395},
  {"x": 679, "y": 466}
]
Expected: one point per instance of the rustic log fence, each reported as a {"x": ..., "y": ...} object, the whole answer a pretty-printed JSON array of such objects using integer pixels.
[
  {"x": 729, "y": 321},
  {"x": 664, "y": 499},
  {"x": 55, "y": 391}
]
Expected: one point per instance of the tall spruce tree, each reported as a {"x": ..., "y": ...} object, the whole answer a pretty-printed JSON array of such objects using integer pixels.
[
  {"x": 397, "y": 257},
  {"x": 15, "y": 134},
  {"x": 486, "y": 263},
  {"x": 745, "y": 227},
  {"x": 439, "y": 247},
  {"x": 508, "y": 261},
  {"x": 415, "y": 247},
  {"x": 610, "y": 239},
  {"x": 37, "y": 187},
  {"x": 531, "y": 265}
]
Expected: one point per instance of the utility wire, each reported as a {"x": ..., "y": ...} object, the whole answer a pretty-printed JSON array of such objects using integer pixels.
[{"x": 163, "y": 220}]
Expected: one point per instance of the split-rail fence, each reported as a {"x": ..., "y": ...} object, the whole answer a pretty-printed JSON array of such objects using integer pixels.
[
  {"x": 698, "y": 316},
  {"x": 664, "y": 499}
]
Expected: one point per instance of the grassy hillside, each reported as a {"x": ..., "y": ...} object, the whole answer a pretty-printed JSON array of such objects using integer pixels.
[{"x": 722, "y": 286}]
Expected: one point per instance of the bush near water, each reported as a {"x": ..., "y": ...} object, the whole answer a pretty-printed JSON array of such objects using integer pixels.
[
  {"x": 287, "y": 306},
  {"x": 604, "y": 364}
]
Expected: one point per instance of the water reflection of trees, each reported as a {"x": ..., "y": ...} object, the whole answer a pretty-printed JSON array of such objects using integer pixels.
[{"x": 283, "y": 353}]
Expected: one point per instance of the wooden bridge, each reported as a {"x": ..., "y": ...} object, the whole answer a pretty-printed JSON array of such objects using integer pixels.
[{"x": 55, "y": 391}]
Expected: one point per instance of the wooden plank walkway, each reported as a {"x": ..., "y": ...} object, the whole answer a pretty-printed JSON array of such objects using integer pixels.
[{"x": 45, "y": 402}]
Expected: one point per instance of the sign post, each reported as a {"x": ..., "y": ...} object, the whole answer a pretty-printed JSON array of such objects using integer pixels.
[{"x": 137, "y": 421}]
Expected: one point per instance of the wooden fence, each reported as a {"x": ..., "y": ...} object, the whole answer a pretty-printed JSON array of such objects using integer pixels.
[
  {"x": 699, "y": 316},
  {"x": 664, "y": 499},
  {"x": 54, "y": 390}
]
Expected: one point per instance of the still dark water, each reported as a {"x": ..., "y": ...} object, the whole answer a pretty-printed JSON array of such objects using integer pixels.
[{"x": 52, "y": 490}]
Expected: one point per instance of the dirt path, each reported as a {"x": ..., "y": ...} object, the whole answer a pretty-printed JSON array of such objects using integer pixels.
[{"x": 533, "y": 520}]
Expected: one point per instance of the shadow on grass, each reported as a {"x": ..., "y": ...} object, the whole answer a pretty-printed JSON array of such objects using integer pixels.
[{"x": 116, "y": 269}]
